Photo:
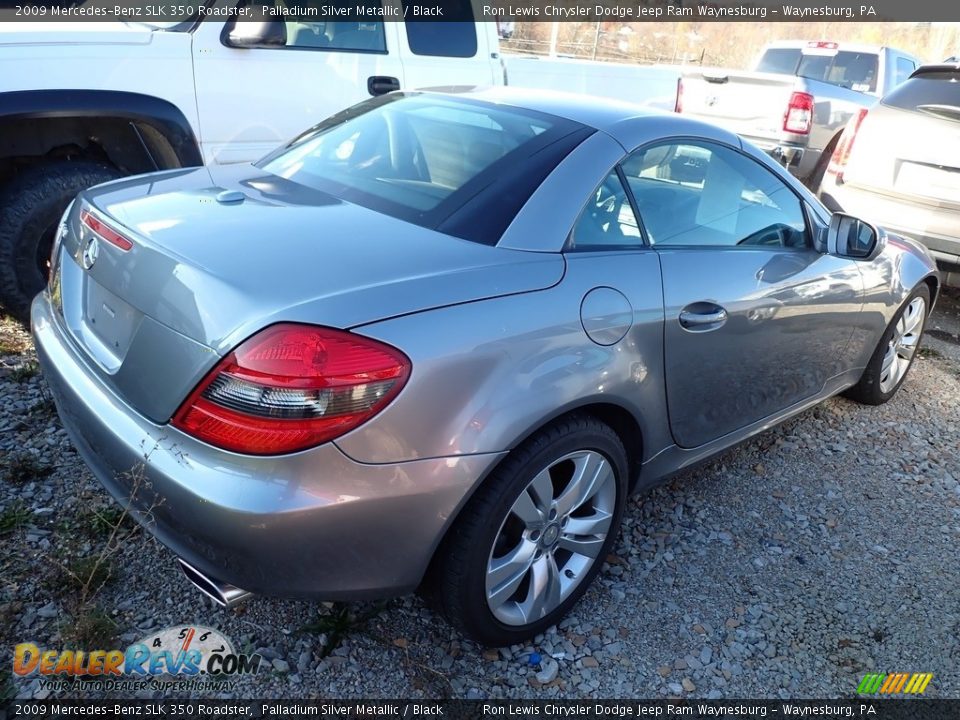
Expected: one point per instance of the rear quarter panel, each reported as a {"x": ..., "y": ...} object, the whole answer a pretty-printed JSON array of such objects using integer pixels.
[
  {"x": 487, "y": 374},
  {"x": 76, "y": 57},
  {"x": 833, "y": 107}
]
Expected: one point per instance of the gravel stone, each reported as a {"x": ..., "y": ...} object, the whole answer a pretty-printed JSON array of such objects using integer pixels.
[
  {"x": 548, "y": 673},
  {"x": 793, "y": 564}
]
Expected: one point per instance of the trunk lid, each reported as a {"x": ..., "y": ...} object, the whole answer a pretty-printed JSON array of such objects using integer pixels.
[{"x": 207, "y": 271}]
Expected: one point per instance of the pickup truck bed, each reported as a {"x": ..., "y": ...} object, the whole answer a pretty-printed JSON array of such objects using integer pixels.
[{"x": 753, "y": 105}]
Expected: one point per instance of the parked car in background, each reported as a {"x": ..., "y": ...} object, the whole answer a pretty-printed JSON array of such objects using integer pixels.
[
  {"x": 436, "y": 340},
  {"x": 898, "y": 164},
  {"x": 82, "y": 103},
  {"x": 797, "y": 100}
]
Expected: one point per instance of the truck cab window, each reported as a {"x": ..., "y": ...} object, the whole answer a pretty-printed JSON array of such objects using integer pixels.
[{"x": 456, "y": 38}]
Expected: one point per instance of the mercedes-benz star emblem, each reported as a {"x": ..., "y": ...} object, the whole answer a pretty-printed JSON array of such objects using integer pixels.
[{"x": 90, "y": 252}]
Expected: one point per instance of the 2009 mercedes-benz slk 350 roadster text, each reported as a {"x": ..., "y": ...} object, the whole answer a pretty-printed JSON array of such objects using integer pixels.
[{"x": 436, "y": 340}]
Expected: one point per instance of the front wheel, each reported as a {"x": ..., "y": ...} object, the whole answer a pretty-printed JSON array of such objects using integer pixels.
[
  {"x": 895, "y": 352},
  {"x": 532, "y": 539}
]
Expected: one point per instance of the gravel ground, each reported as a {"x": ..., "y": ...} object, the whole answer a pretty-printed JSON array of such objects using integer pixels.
[{"x": 790, "y": 566}]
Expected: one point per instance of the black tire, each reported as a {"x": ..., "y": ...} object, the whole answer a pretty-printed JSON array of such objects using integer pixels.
[
  {"x": 460, "y": 581},
  {"x": 868, "y": 390},
  {"x": 30, "y": 207}
]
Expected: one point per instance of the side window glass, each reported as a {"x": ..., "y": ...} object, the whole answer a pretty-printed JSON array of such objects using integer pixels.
[
  {"x": 357, "y": 35},
  {"x": 455, "y": 36},
  {"x": 607, "y": 220},
  {"x": 904, "y": 68},
  {"x": 693, "y": 193}
]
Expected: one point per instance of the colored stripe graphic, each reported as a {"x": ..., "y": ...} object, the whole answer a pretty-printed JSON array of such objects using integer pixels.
[
  {"x": 888, "y": 683},
  {"x": 866, "y": 685},
  {"x": 894, "y": 683}
]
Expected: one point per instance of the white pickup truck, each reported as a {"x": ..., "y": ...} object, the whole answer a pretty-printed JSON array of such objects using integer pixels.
[
  {"x": 798, "y": 99},
  {"x": 82, "y": 103},
  {"x": 647, "y": 85},
  {"x": 86, "y": 102}
]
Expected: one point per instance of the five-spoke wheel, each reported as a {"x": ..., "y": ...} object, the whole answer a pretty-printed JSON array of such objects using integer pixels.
[
  {"x": 896, "y": 351},
  {"x": 530, "y": 541},
  {"x": 551, "y": 537}
]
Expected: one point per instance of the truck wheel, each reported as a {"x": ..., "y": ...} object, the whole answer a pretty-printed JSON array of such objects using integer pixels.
[{"x": 30, "y": 208}]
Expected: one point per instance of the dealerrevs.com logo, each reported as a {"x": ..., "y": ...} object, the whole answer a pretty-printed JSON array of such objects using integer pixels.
[{"x": 172, "y": 657}]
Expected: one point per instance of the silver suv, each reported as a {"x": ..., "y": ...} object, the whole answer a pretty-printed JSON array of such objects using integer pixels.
[{"x": 911, "y": 186}]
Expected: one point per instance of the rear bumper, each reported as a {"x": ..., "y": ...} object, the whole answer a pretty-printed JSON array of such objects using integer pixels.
[{"x": 312, "y": 524}]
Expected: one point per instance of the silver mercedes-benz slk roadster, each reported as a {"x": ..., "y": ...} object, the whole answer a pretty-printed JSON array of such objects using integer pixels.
[{"x": 436, "y": 340}]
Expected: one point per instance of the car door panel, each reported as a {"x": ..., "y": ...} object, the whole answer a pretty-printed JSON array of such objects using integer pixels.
[
  {"x": 755, "y": 319},
  {"x": 789, "y": 318}
]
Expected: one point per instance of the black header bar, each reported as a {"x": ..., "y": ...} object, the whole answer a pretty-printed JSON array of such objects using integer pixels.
[
  {"x": 871, "y": 708},
  {"x": 157, "y": 11}
]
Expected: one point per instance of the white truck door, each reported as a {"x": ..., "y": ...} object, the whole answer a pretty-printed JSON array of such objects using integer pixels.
[
  {"x": 460, "y": 52},
  {"x": 250, "y": 100}
]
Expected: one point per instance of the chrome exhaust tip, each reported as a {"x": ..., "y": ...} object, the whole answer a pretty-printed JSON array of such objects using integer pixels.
[{"x": 223, "y": 594}]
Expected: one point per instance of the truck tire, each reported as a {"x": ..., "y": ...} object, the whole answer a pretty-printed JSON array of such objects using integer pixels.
[{"x": 30, "y": 207}]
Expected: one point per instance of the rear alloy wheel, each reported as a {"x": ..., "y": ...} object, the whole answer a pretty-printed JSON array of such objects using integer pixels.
[
  {"x": 530, "y": 542},
  {"x": 895, "y": 353}
]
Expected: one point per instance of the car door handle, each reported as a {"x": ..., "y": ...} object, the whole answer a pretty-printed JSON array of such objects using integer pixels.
[
  {"x": 382, "y": 84},
  {"x": 702, "y": 316}
]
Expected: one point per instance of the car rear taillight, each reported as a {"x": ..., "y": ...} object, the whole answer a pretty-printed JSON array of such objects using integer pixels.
[
  {"x": 678, "y": 105},
  {"x": 105, "y": 231},
  {"x": 291, "y": 387},
  {"x": 822, "y": 45},
  {"x": 799, "y": 116},
  {"x": 841, "y": 154}
]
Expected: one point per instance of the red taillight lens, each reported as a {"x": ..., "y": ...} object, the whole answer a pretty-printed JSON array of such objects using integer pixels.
[
  {"x": 799, "y": 116},
  {"x": 291, "y": 387},
  {"x": 678, "y": 105},
  {"x": 105, "y": 231},
  {"x": 841, "y": 154}
]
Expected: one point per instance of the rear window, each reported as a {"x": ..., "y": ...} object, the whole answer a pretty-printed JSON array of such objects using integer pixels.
[
  {"x": 851, "y": 70},
  {"x": 936, "y": 93},
  {"x": 424, "y": 158},
  {"x": 905, "y": 66},
  {"x": 779, "y": 60}
]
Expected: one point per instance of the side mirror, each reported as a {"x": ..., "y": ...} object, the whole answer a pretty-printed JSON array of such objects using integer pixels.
[
  {"x": 248, "y": 34},
  {"x": 851, "y": 237}
]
